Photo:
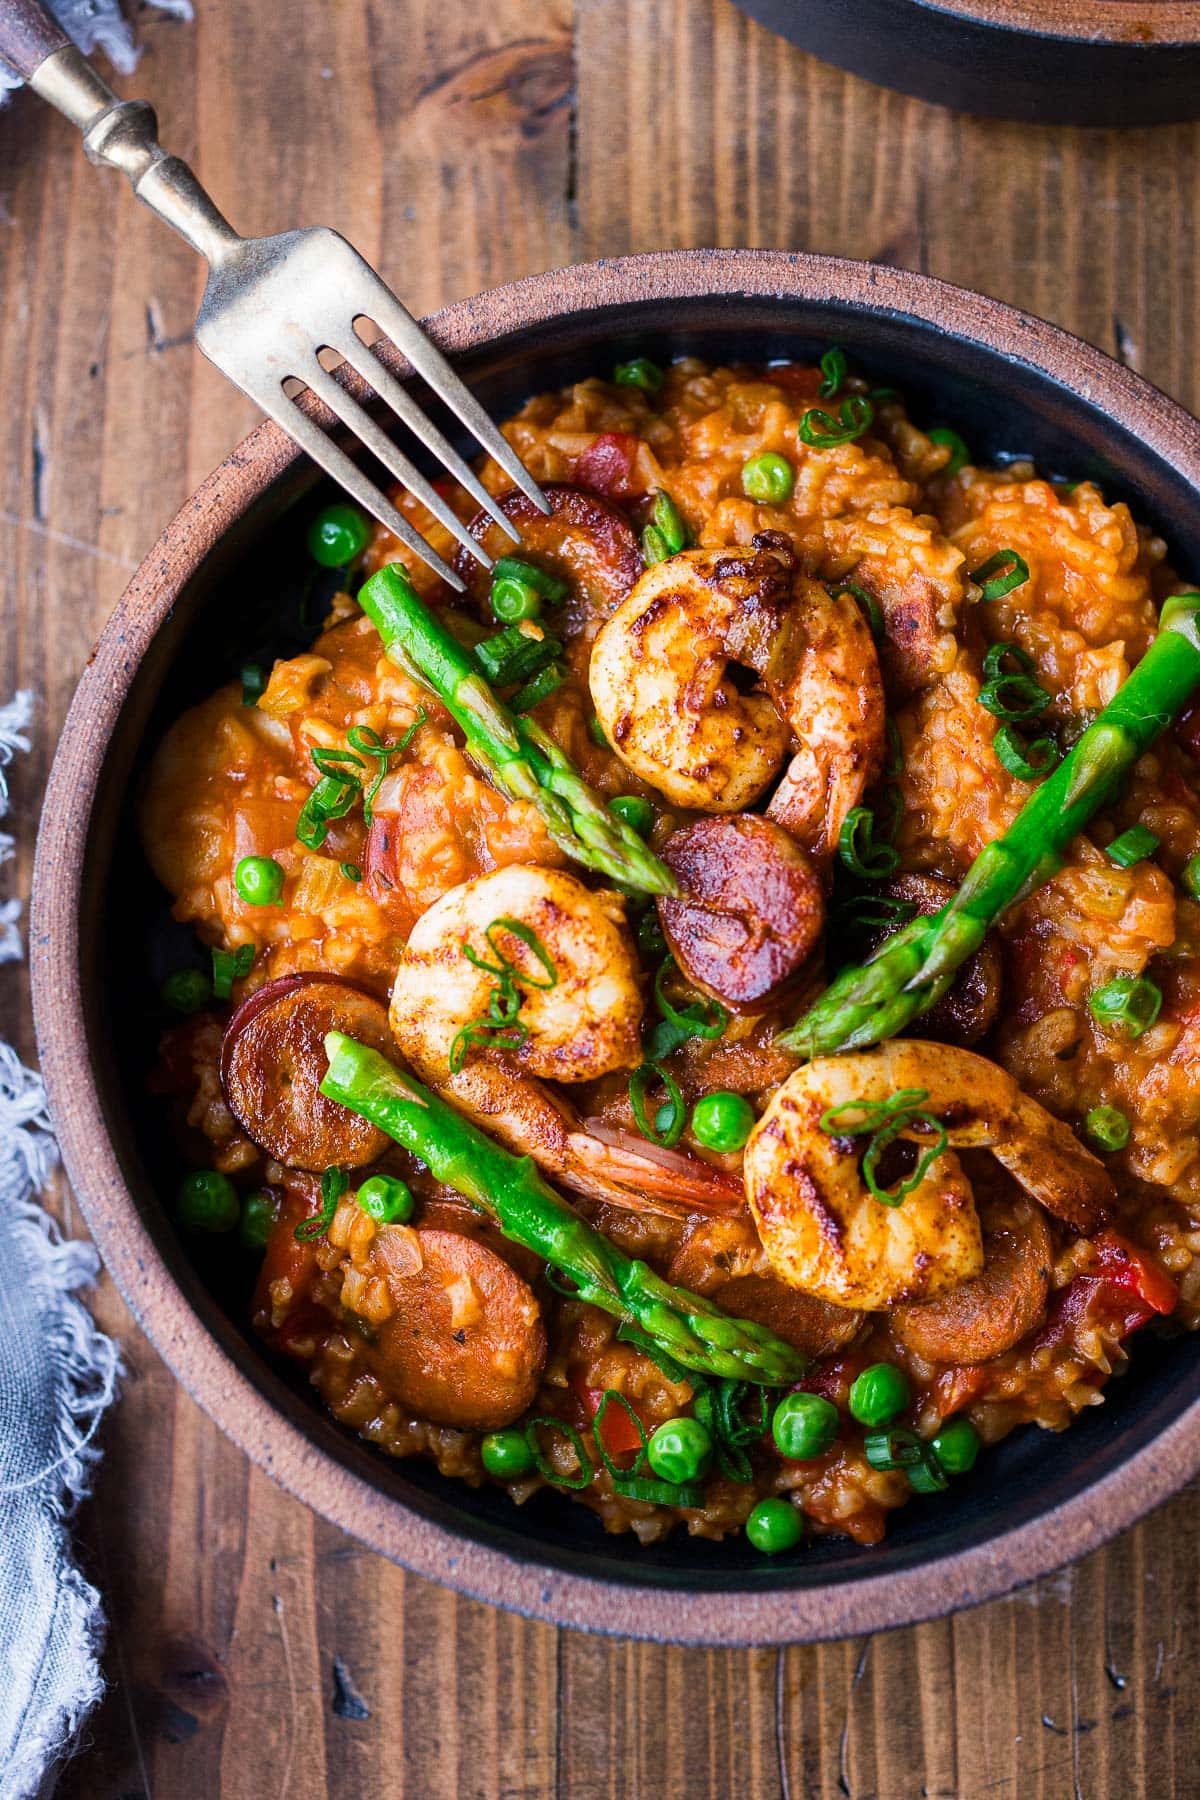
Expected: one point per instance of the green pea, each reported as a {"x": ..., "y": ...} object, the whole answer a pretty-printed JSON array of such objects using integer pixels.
[
  {"x": 186, "y": 991},
  {"x": 775, "y": 1526},
  {"x": 259, "y": 880},
  {"x": 804, "y": 1426},
  {"x": 880, "y": 1394},
  {"x": 1126, "y": 1006},
  {"x": 386, "y": 1200},
  {"x": 337, "y": 535},
  {"x": 680, "y": 1450},
  {"x": 1191, "y": 876},
  {"x": 636, "y": 812},
  {"x": 506, "y": 1454},
  {"x": 639, "y": 372},
  {"x": 768, "y": 478},
  {"x": 259, "y": 1213},
  {"x": 956, "y": 1446},
  {"x": 208, "y": 1201},
  {"x": 514, "y": 600},
  {"x": 722, "y": 1121},
  {"x": 1107, "y": 1127}
]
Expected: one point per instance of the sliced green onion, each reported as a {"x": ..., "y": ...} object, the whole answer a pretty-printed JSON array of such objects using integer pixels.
[
  {"x": 547, "y": 681},
  {"x": 514, "y": 655},
  {"x": 654, "y": 546},
  {"x": 886, "y": 1120},
  {"x": 487, "y": 1032},
  {"x": 1016, "y": 697},
  {"x": 998, "y": 654},
  {"x": 881, "y": 395},
  {"x": 610, "y": 1397},
  {"x": 873, "y": 912},
  {"x": 513, "y": 600},
  {"x": 595, "y": 731},
  {"x": 1000, "y": 574},
  {"x": 959, "y": 454},
  {"x": 1133, "y": 846},
  {"x": 1107, "y": 1127},
  {"x": 658, "y": 1493},
  {"x": 1028, "y": 762},
  {"x": 254, "y": 683},
  {"x": 514, "y": 568},
  {"x": 1127, "y": 1005},
  {"x": 229, "y": 966},
  {"x": 895, "y": 759},
  {"x": 927, "y": 1476},
  {"x": 871, "y": 609},
  {"x": 639, "y": 1084},
  {"x": 702, "y": 1017},
  {"x": 351, "y": 871},
  {"x": 895, "y": 1448},
  {"x": 639, "y": 372},
  {"x": 824, "y": 432},
  {"x": 504, "y": 964},
  {"x": 859, "y": 850},
  {"x": 334, "y": 1183},
  {"x": 833, "y": 372},
  {"x": 729, "y": 1423},
  {"x": 670, "y": 523},
  {"x": 332, "y": 798},
  {"x": 582, "y": 1477}
]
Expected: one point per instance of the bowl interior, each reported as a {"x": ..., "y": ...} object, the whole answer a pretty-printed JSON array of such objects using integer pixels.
[{"x": 249, "y": 598}]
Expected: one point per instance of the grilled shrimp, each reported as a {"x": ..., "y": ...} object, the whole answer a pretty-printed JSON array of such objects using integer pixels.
[
  {"x": 584, "y": 1025},
  {"x": 823, "y": 1230},
  {"x": 665, "y": 692}
]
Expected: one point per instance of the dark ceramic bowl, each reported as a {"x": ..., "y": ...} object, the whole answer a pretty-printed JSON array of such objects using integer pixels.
[
  {"x": 1052, "y": 62},
  {"x": 1009, "y": 384}
]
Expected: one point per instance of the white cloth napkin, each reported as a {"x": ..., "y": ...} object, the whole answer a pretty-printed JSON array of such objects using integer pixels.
[{"x": 57, "y": 1375}]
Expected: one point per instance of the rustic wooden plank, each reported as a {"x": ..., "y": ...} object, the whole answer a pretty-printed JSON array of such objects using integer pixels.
[{"x": 462, "y": 147}]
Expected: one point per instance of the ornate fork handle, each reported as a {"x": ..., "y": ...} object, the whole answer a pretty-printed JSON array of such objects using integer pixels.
[{"x": 120, "y": 133}]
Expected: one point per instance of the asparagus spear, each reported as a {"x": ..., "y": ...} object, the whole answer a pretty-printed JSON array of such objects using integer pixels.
[
  {"x": 912, "y": 969},
  {"x": 510, "y": 1191},
  {"x": 515, "y": 753}
]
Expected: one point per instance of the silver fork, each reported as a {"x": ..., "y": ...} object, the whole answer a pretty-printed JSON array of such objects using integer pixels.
[{"x": 272, "y": 305}]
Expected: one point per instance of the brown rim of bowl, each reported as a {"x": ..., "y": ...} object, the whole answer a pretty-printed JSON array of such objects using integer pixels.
[
  {"x": 1150, "y": 22},
  {"x": 214, "y": 1379}
]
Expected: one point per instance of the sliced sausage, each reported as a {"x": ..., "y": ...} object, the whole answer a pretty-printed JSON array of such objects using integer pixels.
[
  {"x": 723, "y": 1260},
  {"x": 751, "y": 909},
  {"x": 968, "y": 1010},
  {"x": 585, "y": 539},
  {"x": 988, "y": 1315},
  {"x": 465, "y": 1344},
  {"x": 273, "y": 1062}
]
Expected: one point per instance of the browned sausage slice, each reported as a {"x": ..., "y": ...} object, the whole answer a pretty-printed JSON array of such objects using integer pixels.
[
  {"x": 987, "y": 1316},
  {"x": 723, "y": 1259},
  {"x": 968, "y": 1010},
  {"x": 465, "y": 1344},
  {"x": 586, "y": 540},
  {"x": 751, "y": 910},
  {"x": 273, "y": 1062}
]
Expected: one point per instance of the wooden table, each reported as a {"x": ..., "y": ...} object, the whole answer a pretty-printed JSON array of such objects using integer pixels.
[{"x": 254, "y": 1650}]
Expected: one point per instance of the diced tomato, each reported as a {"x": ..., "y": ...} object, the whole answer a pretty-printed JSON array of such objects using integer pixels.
[
  {"x": 834, "y": 1377},
  {"x": 955, "y": 1388},
  {"x": 293, "y": 1259},
  {"x": 798, "y": 378},
  {"x": 618, "y": 1433},
  {"x": 1128, "y": 1292},
  {"x": 607, "y": 466},
  {"x": 1126, "y": 1266}
]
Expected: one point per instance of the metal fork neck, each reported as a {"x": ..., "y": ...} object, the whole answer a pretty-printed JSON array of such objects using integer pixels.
[{"x": 124, "y": 135}]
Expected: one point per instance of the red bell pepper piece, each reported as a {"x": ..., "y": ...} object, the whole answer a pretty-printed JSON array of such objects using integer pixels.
[{"x": 618, "y": 1433}]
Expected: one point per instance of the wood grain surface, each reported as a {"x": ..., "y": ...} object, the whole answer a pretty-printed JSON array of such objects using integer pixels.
[{"x": 254, "y": 1651}]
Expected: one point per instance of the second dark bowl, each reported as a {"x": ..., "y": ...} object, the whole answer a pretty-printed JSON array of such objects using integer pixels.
[
  {"x": 1009, "y": 384},
  {"x": 1049, "y": 62}
]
